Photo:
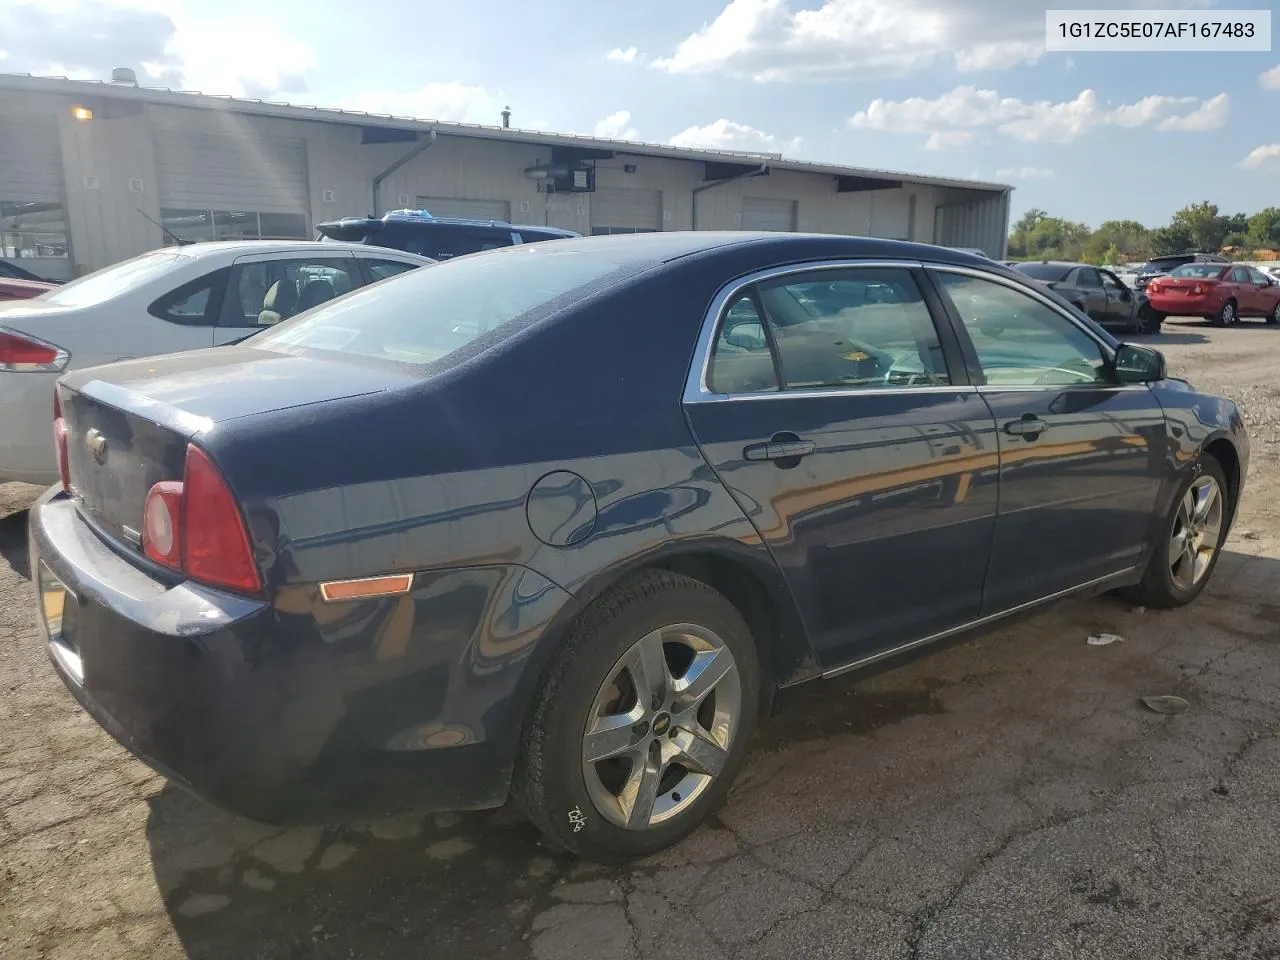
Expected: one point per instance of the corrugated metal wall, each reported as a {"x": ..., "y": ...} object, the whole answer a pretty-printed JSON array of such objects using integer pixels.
[
  {"x": 339, "y": 170},
  {"x": 981, "y": 222}
]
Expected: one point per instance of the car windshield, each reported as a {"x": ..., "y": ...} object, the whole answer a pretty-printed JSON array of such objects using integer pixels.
[
  {"x": 1044, "y": 271},
  {"x": 102, "y": 285},
  {"x": 434, "y": 313},
  {"x": 1202, "y": 271}
]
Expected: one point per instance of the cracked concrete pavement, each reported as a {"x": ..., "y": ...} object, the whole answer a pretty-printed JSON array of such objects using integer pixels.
[{"x": 1006, "y": 797}]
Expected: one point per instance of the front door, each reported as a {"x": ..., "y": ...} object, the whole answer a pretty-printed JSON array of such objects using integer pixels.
[
  {"x": 1120, "y": 309},
  {"x": 1082, "y": 457},
  {"x": 845, "y": 428}
]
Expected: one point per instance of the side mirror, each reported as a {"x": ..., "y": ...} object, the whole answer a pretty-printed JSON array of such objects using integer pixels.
[{"x": 1138, "y": 364}]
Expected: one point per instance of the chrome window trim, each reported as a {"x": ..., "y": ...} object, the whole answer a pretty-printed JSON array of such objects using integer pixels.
[{"x": 696, "y": 389}]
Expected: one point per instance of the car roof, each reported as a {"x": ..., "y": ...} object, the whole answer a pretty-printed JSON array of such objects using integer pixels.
[{"x": 214, "y": 248}]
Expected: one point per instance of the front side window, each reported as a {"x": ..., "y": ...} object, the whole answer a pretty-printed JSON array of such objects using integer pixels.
[
  {"x": 1240, "y": 275},
  {"x": 1021, "y": 342},
  {"x": 854, "y": 329},
  {"x": 381, "y": 269},
  {"x": 1112, "y": 282},
  {"x": 1257, "y": 276},
  {"x": 268, "y": 291}
]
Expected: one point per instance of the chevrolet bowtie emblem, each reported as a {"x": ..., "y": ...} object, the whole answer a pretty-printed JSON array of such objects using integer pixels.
[{"x": 96, "y": 444}]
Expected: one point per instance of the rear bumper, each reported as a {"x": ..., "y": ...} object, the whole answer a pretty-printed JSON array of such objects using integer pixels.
[
  {"x": 1186, "y": 306},
  {"x": 287, "y": 714}
]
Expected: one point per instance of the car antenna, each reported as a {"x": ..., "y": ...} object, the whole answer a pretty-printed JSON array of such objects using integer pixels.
[{"x": 179, "y": 241}]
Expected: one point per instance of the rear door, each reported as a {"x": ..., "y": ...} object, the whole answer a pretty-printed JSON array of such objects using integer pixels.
[
  {"x": 1082, "y": 457},
  {"x": 839, "y": 415},
  {"x": 266, "y": 288}
]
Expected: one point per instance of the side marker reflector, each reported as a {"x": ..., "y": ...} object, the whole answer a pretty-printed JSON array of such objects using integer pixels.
[{"x": 336, "y": 591}]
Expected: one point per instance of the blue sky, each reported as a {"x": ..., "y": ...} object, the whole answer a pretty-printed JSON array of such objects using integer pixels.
[{"x": 931, "y": 86}]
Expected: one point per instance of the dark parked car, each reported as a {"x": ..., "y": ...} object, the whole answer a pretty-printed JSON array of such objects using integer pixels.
[
  {"x": 1163, "y": 266},
  {"x": 557, "y": 521},
  {"x": 440, "y": 238},
  {"x": 1097, "y": 292}
]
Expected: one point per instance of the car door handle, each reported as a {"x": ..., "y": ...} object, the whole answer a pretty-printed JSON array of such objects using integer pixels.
[
  {"x": 778, "y": 450},
  {"x": 1029, "y": 426}
]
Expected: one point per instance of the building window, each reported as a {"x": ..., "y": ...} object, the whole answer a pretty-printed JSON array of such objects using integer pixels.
[
  {"x": 29, "y": 230},
  {"x": 198, "y": 225},
  {"x": 609, "y": 231}
]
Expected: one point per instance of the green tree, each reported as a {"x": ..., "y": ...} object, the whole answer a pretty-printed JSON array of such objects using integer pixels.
[
  {"x": 1175, "y": 238},
  {"x": 1131, "y": 238},
  {"x": 1263, "y": 232},
  {"x": 1111, "y": 256},
  {"x": 1203, "y": 224}
]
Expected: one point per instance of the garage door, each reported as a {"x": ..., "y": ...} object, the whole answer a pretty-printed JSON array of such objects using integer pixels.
[
  {"x": 33, "y": 222},
  {"x": 891, "y": 217},
  {"x": 215, "y": 187},
  {"x": 466, "y": 209},
  {"x": 760, "y": 213},
  {"x": 626, "y": 210}
]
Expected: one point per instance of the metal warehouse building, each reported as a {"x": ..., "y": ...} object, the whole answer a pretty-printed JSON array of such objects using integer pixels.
[{"x": 88, "y": 171}]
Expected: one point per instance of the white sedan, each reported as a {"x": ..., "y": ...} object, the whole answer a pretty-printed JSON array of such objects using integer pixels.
[{"x": 166, "y": 301}]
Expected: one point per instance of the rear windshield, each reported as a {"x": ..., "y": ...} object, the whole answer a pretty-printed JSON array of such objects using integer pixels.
[
  {"x": 1202, "y": 271},
  {"x": 102, "y": 285},
  {"x": 446, "y": 312},
  {"x": 1043, "y": 271}
]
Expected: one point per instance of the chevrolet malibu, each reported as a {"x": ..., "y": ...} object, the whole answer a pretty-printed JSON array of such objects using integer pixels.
[{"x": 555, "y": 521}]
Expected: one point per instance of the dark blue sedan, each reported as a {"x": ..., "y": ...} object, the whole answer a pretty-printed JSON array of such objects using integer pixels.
[{"x": 556, "y": 521}]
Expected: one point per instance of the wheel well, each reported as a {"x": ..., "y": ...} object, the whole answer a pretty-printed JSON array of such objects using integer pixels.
[
  {"x": 751, "y": 595},
  {"x": 1222, "y": 451}
]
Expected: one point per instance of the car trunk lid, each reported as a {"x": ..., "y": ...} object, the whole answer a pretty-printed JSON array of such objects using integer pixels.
[{"x": 128, "y": 424}]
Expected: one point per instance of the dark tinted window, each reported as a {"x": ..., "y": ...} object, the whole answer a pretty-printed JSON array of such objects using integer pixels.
[
  {"x": 1043, "y": 271},
  {"x": 440, "y": 241},
  {"x": 1165, "y": 264},
  {"x": 1200, "y": 271},
  {"x": 441, "y": 313},
  {"x": 1088, "y": 277},
  {"x": 381, "y": 269},
  {"x": 195, "y": 303}
]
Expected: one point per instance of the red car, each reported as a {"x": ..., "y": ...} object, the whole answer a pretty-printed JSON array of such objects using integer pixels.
[
  {"x": 1224, "y": 293},
  {"x": 11, "y": 289}
]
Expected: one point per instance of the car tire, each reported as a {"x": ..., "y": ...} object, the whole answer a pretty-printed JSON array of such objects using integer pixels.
[
  {"x": 1150, "y": 320},
  {"x": 1273, "y": 317},
  {"x": 618, "y": 808},
  {"x": 1226, "y": 315},
  {"x": 1177, "y": 570}
]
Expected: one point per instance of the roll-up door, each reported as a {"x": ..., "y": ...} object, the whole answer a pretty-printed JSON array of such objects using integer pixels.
[
  {"x": 222, "y": 187},
  {"x": 762, "y": 213},
  {"x": 891, "y": 216},
  {"x": 33, "y": 220},
  {"x": 626, "y": 210},
  {"x": 466, "y": 209}
]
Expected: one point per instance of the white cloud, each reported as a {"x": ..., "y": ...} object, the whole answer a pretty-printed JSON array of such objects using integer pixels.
[
  {"x": 967, "y": 108},
  {"x": 461, "y": 102},
  {"x": 628, "y": 55},
  {"x": 1210, "y": 115},
  {"x": 1260, "y": 156},
  {"x": 779, "y": 40},
  {"x": 949, "y": 139},
  {"x": 727, "y": 135},
  {"x": 1270, "y": 79},
  {"x": 1024, "y": 173},
  {"x": 170, "y": 43},
  {"x": 617, "y": 126}
]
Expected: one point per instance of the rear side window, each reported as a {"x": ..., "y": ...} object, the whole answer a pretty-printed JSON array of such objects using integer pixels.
[
  {"x": 857, "y": 329},
  {"x": 195, "y": 303},
  {"x": 443, "y": 313}
]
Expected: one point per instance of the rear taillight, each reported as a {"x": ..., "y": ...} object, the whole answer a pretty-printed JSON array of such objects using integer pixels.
[
  {"x": 195, "y": 527},
  {"x": 21, "y": 353},
  {"x": 60, "y": 443}
]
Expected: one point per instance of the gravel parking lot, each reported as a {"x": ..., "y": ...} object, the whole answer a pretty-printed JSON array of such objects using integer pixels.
[{"x": 1006, "y": 797}]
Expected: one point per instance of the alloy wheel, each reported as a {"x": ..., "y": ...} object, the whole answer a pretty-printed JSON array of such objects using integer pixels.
[
  {"x": 1197, "y": 530},
  {"x": 661, "y": 726},
  {"x": 1228, "y": 314}
]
